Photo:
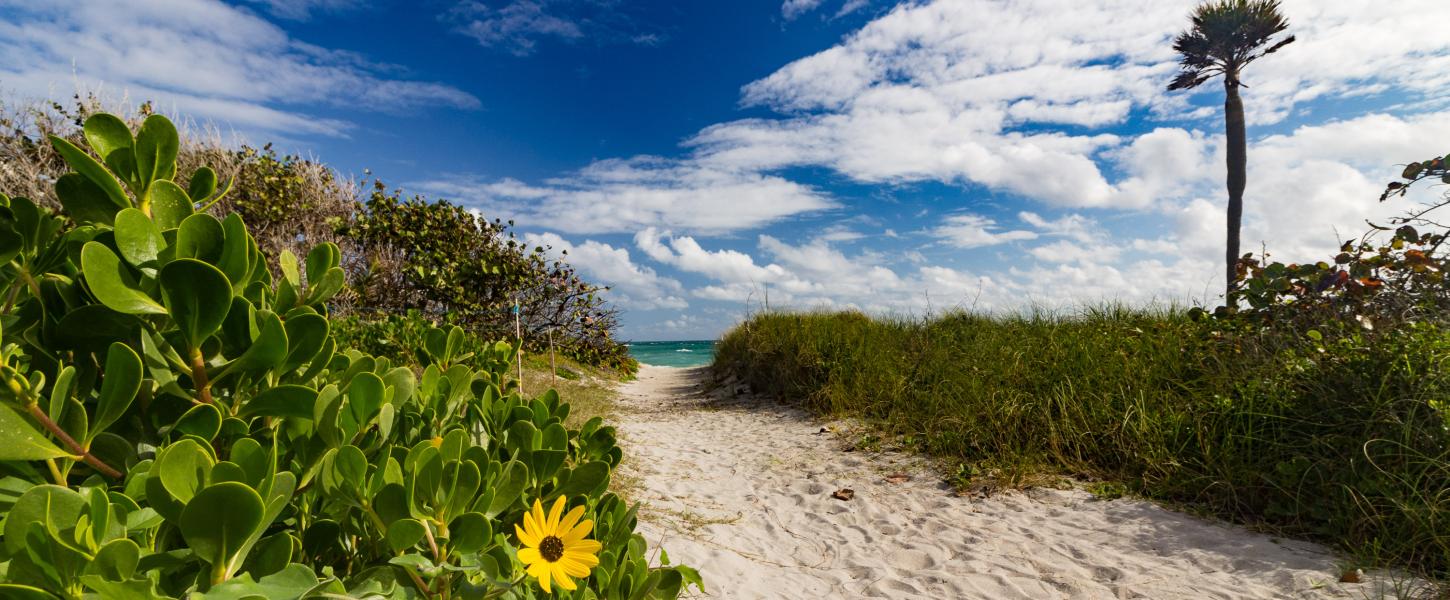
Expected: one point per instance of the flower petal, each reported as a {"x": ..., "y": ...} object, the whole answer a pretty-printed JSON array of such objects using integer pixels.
[
  {"x": 570, "y": 519},
  {"x": 526, "y": 535},
  {"x": 554, "y": 513},
  {"x": 573, "y": 568},
  {"x": 538, "y": 514},
  {"x": 542, "y": 570},
  {"x": 529, "y": 556},
  {"x": 583, "y": 558},
  {"x": 583, "y": 546},
  {"x": 577, "y": 533},
  {"x": 564, "y": 581}
]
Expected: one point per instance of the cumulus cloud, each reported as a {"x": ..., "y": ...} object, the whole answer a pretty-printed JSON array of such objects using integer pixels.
[
  {"x": 944, "y": 91},
  {"x": 631, "y": 285},
  {"x": 204, "y": 57},
  {"x": 1026, "y": 97},
  {"x": 975, "y": 231}
]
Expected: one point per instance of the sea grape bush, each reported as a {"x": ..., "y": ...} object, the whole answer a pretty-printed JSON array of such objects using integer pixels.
[
  {"x": 397, "y": 252},
  {"x": 1374, "y": 283},
  {"x": 443, "y": 260},
  {"x": 175, "y": 421}
]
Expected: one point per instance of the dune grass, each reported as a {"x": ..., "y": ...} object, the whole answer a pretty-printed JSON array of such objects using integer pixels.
[{"x": 1343, "y": 440}]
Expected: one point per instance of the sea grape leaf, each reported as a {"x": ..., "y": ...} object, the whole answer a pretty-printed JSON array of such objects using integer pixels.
[
  {"x": 119, "y": 387},
  {"x": 170, "y": 205},
  {"x": 218, "y": 520},
  {"x": 198, "y": 297},
  {"x": 113, "y": 284},
  {"x": 20, "y": 441}
]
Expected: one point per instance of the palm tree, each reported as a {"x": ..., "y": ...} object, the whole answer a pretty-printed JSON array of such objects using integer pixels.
[{"x": 1225, "y": 37}]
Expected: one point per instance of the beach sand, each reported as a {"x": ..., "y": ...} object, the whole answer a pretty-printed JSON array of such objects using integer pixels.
[{"x": 742, "y": 489}]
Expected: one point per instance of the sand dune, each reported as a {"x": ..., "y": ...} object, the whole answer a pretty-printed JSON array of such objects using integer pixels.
[{"x": 742, "y": 489}]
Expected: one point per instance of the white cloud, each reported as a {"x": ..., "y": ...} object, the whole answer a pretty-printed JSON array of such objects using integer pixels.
[
  {"x": 1025, "y": 97},
  {"x": 302, "y": 10},
  {"x": 940, "y": 91},
  {"x": 684, "y": 253},
  {"x": 515, "y": 26},
  {"x": 206, "y": 58},
  {"x": 975, "y": 231},
  {"x": 631, "y": 285},
  {"x": 626, "y": 195},
  {"x": 791, "y": 9}
]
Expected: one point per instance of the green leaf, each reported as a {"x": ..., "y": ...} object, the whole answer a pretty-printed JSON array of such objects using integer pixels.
[
  {"x": 364, "y": 397},
  {"x": 92, "y": 170},
  {"x": 202, "y": 184},
  {"x": 585, "y": 479},
  {"x": 93, "y": 328},
  {"x": 119, "y": 387},
  {"x": 84, "y": 201},
  {"x": 137, "y": 237},
  {"x": 269, "y": 348},
  {"x": 202, "y": 237},
  {"x": 469, "y": 532},
  {"x": 282, "y": 401},
  {"x": 113, "y": 284},
  {"x": 24, "y": 592},
  {"x": 183, "y": 468},
  {"x": 321, "y": 259},
  {"x": 169, "y": 204},
  {"x": 202, "y": 420},
  {"x": 287, "y": 262},
  {"x": 236, "y": 255},
  {"x": 508, "y": 488},
  {"x": 319, "y": 290},
  {"x": 198, "y": 297},
  {"x": 306, "y": 334},
  {"x": 405, "y": 533},
  {"x": 156, "y": 146},
  {"x": 52, "y": 506},
  {"x": 20, "y": 441},
  {"x": 116, "y": 561},
  {"x": 291, "y": 583},
  {"x": 218, "y": 521},
  {"x": 110, "y": 138}
]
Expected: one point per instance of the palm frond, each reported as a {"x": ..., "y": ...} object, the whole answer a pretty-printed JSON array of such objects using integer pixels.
[{"x": 1224, "y": 36}]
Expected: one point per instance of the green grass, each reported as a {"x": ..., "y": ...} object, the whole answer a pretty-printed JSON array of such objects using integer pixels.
[{"x": 1342, "y": 440}]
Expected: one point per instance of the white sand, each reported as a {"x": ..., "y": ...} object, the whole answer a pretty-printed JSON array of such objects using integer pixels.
[{"x": 741, "y": 489}]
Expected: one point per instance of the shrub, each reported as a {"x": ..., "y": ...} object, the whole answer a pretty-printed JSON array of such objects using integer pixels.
[
  {"x": 397, "y": 253},
  {"x": 176, "y": 421}
]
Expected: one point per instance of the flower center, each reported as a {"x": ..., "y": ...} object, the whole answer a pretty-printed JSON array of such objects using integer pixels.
[{"x": 552, "y": 549}]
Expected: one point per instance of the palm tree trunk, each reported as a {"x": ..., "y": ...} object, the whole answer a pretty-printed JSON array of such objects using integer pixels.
[{"x": 1233, "y": 114}]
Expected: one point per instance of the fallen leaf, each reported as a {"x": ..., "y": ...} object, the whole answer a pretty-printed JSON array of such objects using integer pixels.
[
  {"x": 1351, "y": 576},
  {"x": 898, "y": 478},
  {"x": 844, "y": 494}
]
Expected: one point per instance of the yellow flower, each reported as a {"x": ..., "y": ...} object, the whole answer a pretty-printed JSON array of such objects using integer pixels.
[{"x": 554, "y": 548}]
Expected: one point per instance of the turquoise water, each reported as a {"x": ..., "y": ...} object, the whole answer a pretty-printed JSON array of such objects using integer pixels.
[{"x": 696, "y": 353}]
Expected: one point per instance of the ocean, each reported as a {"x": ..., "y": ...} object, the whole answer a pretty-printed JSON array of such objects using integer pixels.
[{"x": 697, "y": 353}]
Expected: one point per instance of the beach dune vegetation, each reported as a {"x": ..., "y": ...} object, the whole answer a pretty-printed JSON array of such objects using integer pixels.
[
  {"x": 177, "y": 420},
  {"x": 1317, "y": 409}
]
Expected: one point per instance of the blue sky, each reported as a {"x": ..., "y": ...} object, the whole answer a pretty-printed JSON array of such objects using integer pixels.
[{"x": 700, "y": 157}]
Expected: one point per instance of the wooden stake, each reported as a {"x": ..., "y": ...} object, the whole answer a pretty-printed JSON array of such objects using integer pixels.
[
  {"x": 553, "y": 368},
  {"x": 519, "y": 331}
]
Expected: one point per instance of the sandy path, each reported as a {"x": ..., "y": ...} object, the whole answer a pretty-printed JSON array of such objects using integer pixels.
[{"x": 741, "y": 489}]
